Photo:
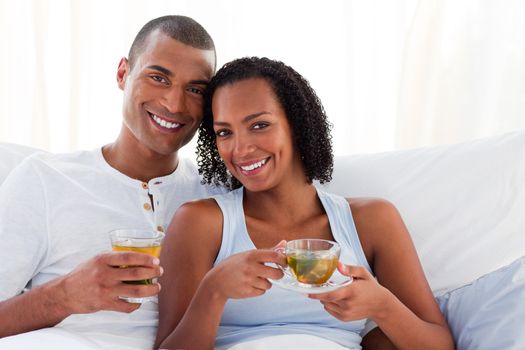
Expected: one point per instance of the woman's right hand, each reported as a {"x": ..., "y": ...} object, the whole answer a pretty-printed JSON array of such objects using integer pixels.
[{"x": 245, "y": 275}]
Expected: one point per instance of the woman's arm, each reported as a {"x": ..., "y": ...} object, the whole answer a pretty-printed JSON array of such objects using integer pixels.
[
  {"x": 193, "y": 293},
  {"x": 400, "y": 301},
  {"x": 188, "y": 252}
]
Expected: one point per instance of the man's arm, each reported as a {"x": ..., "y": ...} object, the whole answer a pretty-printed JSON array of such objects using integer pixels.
[
  {"x": 24, "y": 242},
  {"x": 95, "y": 285},
  {"x": 35, "y": 309}
]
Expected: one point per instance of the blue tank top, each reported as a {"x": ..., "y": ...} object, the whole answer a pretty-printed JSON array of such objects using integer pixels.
[{"x": 281, "y": 311}]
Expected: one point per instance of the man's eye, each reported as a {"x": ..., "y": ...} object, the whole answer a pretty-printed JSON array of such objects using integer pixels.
[
  {"x": 159, "y": 79},
  {"x": 196, "y": 90},
  {"x": 222, "y": 133}
]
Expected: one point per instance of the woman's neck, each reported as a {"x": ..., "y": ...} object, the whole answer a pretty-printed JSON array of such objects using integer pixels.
[{"x": 285, "y": 204}]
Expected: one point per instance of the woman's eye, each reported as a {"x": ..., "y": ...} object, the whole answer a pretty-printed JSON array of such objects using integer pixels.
[
  {"x": 260, "y": 126},
  {"x": 222, "y": 133}
]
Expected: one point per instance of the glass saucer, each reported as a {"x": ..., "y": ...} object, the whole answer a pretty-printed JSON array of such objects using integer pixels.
[{"x": 336, "y": 281}]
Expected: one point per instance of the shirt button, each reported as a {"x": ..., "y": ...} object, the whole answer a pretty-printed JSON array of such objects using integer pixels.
[
  {"x": 147, "y": 206},
  {"x": 160, "y": 228},
  {"x": 145, "y": 185}
]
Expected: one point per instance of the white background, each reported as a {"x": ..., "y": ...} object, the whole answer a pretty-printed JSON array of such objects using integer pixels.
[{"x": 391, "y": 73}]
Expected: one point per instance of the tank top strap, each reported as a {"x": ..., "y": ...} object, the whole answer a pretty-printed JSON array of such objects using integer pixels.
[
  {"x": 234, "y": 231},
  {"x": 343, "y": 226}
]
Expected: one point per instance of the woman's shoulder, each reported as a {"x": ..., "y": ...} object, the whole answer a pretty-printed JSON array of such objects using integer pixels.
[
  {"x": 377, "y": 221},
  {"x": 197, "y": 217},
  {"x": 371, "y": 206},
  {"x": 200, "y": 204},
  {"x": 197, "y": 209},
  {"x": 198, "y": 222}
]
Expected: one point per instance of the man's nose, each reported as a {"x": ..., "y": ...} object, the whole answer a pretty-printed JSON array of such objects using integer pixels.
[{"x": 174, "y": 100}]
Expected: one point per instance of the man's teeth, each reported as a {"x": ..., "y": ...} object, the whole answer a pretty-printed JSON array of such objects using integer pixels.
[
  {"x": 254, "y": 165},
  {"x": 164, "y": 123}
]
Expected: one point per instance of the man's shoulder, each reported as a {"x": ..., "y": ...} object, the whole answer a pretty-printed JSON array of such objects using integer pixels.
[
  {"x": 54, "y": 166},
  {"x": 62, "y": 160}
]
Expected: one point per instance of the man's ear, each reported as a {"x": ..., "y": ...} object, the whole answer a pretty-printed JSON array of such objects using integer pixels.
[{"x": 122, "y": 72}]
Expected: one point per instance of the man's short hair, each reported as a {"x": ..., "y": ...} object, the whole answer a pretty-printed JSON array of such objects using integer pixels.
[{"x": 181, "y": 28}]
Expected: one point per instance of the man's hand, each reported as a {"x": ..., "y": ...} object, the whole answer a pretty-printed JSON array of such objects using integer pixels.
[
  {"x": 93, "y": 286},
  {"x": 97, "y": 284}
]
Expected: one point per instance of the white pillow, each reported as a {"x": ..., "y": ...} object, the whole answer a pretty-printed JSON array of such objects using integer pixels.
[
  {"x": 10, "y": 156},
  {"x": 489, "y": 313},
  {"x": 463, "y": 204}
]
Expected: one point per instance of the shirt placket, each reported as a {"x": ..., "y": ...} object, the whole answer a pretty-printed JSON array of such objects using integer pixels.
[
  {"x": 157, "y": 210},
  {"x": 146, "y": 204}
]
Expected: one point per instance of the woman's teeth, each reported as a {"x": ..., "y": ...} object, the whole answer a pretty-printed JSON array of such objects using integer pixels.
[{"x": 254, "y": 165}]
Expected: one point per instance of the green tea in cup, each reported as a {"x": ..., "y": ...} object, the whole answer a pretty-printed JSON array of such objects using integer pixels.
[{"x": 312, "y": 261}]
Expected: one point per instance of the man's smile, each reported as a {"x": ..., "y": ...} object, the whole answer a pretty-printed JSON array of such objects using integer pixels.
[{"x": 164, "y": 123}]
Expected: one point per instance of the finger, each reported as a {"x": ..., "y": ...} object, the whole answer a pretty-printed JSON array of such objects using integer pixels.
[
  {"x": 338, "y": 304},
  {"x": 269, "y": 256},
  {"x": 335, "y": 311},
  {"x": 329, "y": 305},
  {"x": 262, "y": 283},
  {"x": 130, "y": 259},
  {"x": 324, "y": 297},
  {"x": 335, "y": 295},
  {"x": 265, "y": 271},
  {"x": 257, "y": 292},
  {"x": 135, "y": 273}
]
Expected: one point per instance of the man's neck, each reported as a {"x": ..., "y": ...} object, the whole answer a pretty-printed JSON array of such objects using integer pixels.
[{"x": 137, "y": 161}]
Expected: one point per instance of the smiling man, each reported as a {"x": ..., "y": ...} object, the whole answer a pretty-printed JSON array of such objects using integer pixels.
[{"x": 57, "y": 277}]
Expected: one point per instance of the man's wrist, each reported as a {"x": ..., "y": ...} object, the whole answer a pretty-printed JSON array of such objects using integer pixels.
[{"x": 56, "y": 299}]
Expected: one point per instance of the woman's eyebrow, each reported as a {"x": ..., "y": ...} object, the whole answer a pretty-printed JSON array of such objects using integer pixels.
[{"x": 245, "y": 119}]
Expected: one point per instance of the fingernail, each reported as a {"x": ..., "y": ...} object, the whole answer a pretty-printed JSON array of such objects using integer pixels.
[
  {"x": 161, "y": 271},
  {"x": 156, "y": 261}
]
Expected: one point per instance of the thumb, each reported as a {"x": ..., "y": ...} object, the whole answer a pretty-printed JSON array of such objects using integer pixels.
[
  {"x": 281, "y": 245},
  {"x": 353, "y": 271}
]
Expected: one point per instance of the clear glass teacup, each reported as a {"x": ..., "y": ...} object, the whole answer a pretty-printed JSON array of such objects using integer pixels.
[{"x": 311, "y": 261}]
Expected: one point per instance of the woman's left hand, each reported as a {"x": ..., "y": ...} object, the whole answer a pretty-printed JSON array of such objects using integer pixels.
[{"x": 363, "y": 298}]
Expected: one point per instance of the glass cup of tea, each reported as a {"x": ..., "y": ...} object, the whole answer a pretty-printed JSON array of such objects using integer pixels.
[
  {"x": 311, "y": 261},
  {"x": 139, "y": 241}
]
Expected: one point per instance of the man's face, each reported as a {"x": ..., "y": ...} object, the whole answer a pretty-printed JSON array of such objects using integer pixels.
[{"x": 163, "y": 93}]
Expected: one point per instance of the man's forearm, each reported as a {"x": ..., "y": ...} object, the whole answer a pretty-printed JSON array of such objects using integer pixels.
[{"x": 38, "y": 308}]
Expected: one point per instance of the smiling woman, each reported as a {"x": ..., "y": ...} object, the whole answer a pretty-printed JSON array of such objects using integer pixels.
[{"x": 265, "y": 135}]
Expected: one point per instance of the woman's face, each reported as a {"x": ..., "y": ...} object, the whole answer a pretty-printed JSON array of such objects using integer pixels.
[{"x": 254, "y": 138}]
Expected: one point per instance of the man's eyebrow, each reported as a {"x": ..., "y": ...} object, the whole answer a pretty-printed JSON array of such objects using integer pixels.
[
  {"x": 169, "y": 73},
  {"x": 199, "y": 82},
  {"x": 245, "y": 119},
  {"x": 161, "y": 69}
]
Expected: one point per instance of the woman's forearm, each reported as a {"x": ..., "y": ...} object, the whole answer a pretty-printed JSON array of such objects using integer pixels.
[
  {"x": 407, "y": 331},
  {"x": 198, "y": 327}
]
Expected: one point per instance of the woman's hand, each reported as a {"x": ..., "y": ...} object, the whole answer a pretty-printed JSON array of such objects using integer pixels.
[
  {"x": 245, "y": 275},
  {"x": 363, "y": 298}
]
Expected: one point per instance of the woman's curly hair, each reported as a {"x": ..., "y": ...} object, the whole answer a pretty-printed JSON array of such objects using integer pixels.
[{"x": 305, "y": 113}]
